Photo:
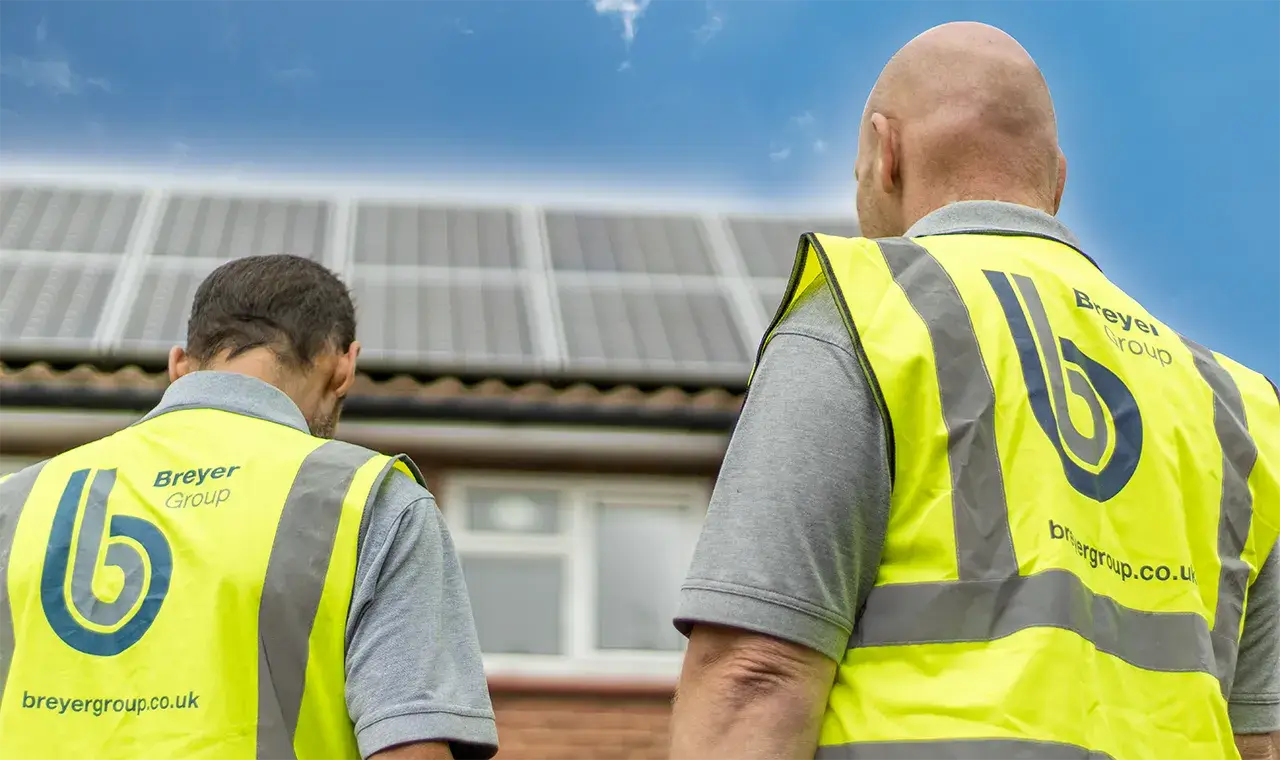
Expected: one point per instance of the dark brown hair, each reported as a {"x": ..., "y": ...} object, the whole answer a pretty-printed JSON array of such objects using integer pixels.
[{"x": 291, "y": 305}]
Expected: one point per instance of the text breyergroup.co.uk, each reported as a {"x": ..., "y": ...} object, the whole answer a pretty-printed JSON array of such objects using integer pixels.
[
  {"x": 1101, "y": 558},
  {"x": 99, "y": 706}
]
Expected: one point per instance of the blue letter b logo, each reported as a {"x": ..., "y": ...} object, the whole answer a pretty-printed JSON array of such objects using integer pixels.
[
  {"x": 133, "y": 545},
  {"x": 1066, "y": 369}
]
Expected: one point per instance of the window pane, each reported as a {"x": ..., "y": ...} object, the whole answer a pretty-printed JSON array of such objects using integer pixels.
[
  {"x": 516, "y": 602},
  {"x": 642, "y": 555},
  {"x": 509, "y": 511}
]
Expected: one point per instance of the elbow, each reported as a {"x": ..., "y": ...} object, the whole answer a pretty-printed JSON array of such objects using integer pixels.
[
  {"x": 754, "y": 671},
  {"x": 746, "y": 694},
  {"x": 749, "y": 680}
]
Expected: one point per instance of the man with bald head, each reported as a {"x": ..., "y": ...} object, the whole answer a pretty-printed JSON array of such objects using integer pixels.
[{"x": 980, "y": 503}]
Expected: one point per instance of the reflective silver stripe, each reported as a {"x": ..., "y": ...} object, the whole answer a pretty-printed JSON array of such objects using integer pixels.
[
  {"x": 13, "y": 495},
  {"x": 972, "y": 611},
  {"x": 294, "y": 582},
  {"x": 959, "y": 749},
  {"x": 984, "y": 542},
  {"x": 1239, "y": 454}
]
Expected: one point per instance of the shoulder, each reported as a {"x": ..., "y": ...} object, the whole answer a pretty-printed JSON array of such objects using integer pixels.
[
  {"x": 401, "y": 502},
  {"x": 22, "y": 480},
  {"x": 817, "y": 317},
  {"x": 835, "y": 248},
  {"x": 402, "y": 537},
  {"x": 400, "y": 493}
]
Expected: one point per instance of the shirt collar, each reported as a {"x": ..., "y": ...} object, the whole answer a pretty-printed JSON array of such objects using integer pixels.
[
  {"x": 231, "y": 392},
  {"x": 993, "y": 217}
]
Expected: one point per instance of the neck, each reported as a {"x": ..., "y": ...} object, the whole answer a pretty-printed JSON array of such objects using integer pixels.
[
  {"x": 264, "y": 365},
  {"x": 258, "y": 363},
  {"x": 919, "y": 206},
  {"x": 306, "y": 388}
]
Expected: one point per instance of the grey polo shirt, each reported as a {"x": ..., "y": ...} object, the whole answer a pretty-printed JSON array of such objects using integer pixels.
[
  {"x": 414, "y": 672},
  {"x": 792, "y": 541}
]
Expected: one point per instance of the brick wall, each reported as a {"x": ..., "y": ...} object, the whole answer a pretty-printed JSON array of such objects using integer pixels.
[{"x": 582, "y": 726}]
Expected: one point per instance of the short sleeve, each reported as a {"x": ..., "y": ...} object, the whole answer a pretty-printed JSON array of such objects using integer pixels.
[
  {"x": 414, "y": 671},
  {"x": 796, "y": 523},
  {"x": 1254, "y": 705}
]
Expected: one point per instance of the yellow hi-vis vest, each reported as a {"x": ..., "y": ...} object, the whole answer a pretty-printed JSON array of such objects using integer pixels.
[
  {"x": 1080, "y": 500},
  {"x": 180, "y": 590}
]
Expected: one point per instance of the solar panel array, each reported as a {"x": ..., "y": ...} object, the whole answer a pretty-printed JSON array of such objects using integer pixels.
[{"x": 458, "y": 288}]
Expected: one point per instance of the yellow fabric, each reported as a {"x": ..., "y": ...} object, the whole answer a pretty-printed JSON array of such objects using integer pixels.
[
  {"x": 189, "y": 685},
  {"x": 1044, "y": 684},
  {"x": 324, "y": 730}
]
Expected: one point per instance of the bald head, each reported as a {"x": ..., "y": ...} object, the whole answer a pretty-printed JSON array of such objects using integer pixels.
[{"x": 961, "y": 112}]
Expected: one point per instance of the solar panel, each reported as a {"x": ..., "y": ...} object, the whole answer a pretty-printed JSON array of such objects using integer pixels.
[
  {"x": 226, "y": 228},
  {"x": 438, "y": 285},
  {"x": 770, "y": 295},
  {"x": 641, "y": 328},
  {"x": 768, "y": 246},
  {"x": 52, "y": 302},
  {"x": 157, "y": 319},
  {"x": 68, "y": 221},
  {"x": 587, "y": 242},
  {"x": 470, "y": 323},
  {"x": 438, "y": 237}
]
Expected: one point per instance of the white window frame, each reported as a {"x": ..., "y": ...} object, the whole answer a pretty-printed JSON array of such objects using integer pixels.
[{"x": 576, "y": 545}]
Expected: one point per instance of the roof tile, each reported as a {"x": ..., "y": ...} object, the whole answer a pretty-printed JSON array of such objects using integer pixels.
[{"x": 404, "y": 386}]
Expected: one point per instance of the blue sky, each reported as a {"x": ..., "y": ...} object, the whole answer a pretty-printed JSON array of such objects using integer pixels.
[{"x": 1169, "y": 112}]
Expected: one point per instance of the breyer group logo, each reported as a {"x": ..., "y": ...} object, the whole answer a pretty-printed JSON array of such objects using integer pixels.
[
  {"x": 1052, "y": 366},
  {"x": 80, "y": 617}
]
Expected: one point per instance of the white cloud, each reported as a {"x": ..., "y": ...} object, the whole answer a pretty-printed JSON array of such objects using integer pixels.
[
  {"x": 800, "y": 129},
  {"x": 624, "y": 66},
  {"x": 461, "y": 27},
  {"x": 713, "y": 26},
  {"x": 53, "y": 75},
  {"x": 629, "y": 11},
  {"x": 50, "y": 71},
  {"x": 291, "y": 74}
]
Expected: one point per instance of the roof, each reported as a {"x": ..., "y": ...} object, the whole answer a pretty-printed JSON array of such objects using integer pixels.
[
  {"x": 104, "y": 270},
  {"x": 404, "y": 397}
]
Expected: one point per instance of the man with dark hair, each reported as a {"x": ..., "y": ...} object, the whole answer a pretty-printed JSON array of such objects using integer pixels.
[
  {"x": 295, "y": 309},
  {"x": 272, "y": 592}
]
